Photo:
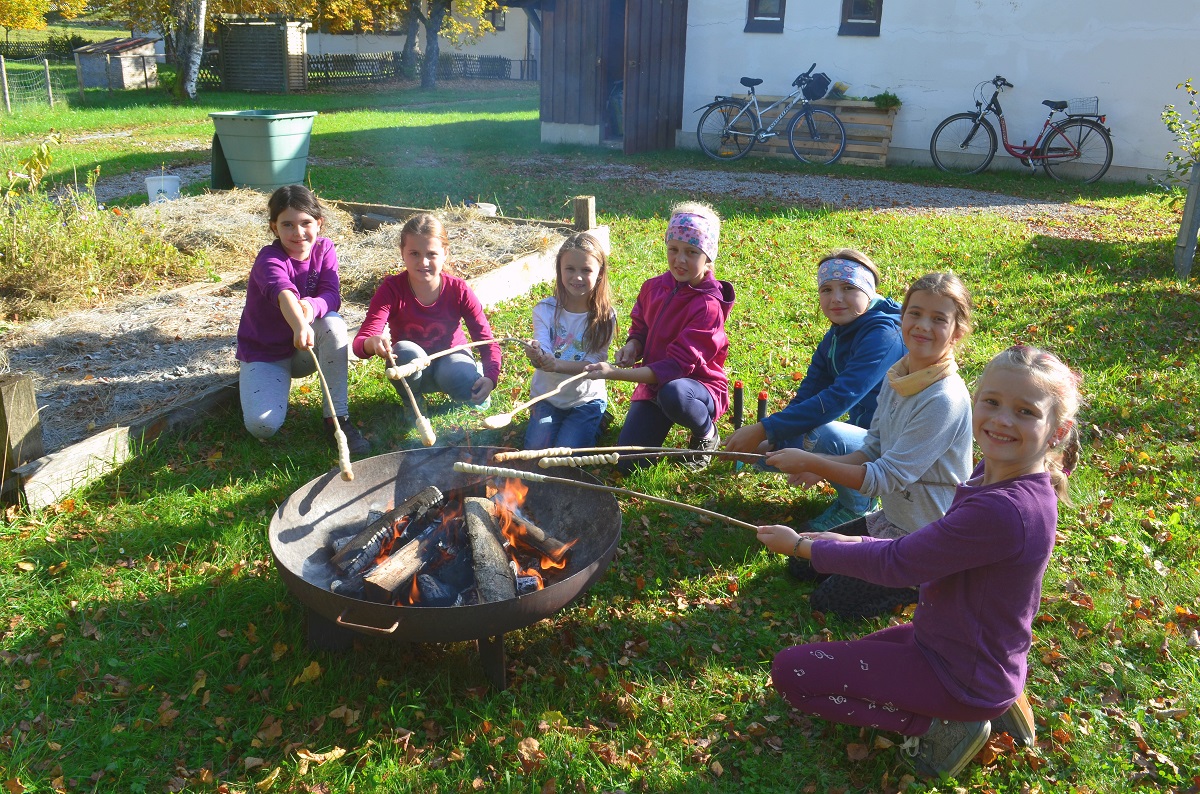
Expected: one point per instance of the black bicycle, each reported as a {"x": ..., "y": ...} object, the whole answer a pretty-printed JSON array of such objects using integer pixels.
[
  {"x": 1075, "y": 149},
  {"x": 731, "y": 126}
]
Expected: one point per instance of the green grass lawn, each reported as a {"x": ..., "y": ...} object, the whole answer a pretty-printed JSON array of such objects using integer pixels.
[{"x": 150, "y": 645}]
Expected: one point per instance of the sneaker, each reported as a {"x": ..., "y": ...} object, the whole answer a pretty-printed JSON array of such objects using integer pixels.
[
  {"x": 947, "y": 747},
  {"x": 481, "y": 408},
  {"x": 1017, "y": 722},
  {"x": 704, "y": 445},
  {"x": 801, "y": 570},
  {"x": 834, "y": 516},
  {"x": 356, "y": 444}
]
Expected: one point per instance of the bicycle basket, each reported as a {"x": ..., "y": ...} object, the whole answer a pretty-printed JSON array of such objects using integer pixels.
[
  {"x": 1083, "y": 106},
  {"x": 816, "y": 86}
]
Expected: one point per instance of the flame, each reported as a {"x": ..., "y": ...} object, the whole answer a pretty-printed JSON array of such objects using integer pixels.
[{"x": 386, "y": 547}]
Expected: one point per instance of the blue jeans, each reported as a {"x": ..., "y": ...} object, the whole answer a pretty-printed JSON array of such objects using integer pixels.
[
  {"x": 682, "y": 401},
  {"x": 564, "y": 427},
  {"x": 835, "y": 438},
  {"x": 454, "y": 374}
]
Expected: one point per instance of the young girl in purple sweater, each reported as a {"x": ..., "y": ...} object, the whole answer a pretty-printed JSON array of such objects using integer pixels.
[{"x": 958, "y": 669}]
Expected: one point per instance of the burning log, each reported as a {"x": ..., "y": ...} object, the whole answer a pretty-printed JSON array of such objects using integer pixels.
[
  {"x": 493, "y": 576},
  {"x": 534, "y": 536},
  {"x": 386, "y": 579},
  {"x": 357, "y": 555}
]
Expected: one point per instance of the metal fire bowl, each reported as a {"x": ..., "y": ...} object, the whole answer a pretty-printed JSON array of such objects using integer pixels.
[{"x": 329, "y": 507}]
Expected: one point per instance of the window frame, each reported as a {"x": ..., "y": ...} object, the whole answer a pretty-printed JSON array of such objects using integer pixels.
[
  {"x": 757, "y": 23},
  {"x": 860, "y": 26},
  {"x": 497, "y": 17}
]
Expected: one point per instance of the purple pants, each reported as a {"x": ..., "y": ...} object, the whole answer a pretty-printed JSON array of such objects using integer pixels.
[
  {"x": 879, "y": 681},
  {"x": 682, "y": 401}
]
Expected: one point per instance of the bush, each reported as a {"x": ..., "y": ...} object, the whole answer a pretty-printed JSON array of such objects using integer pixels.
[
  {"x": 63, "y": 45},
  {"x": 1186, "y": 130}
]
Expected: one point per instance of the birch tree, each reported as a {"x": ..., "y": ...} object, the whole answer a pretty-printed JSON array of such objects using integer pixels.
[{"x": 190, "y": 15}]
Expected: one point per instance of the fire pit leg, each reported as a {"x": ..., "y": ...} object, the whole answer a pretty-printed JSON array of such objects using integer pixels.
[
  {"x": 324, "y": 634},
  {"x": 491, "y": 656}
]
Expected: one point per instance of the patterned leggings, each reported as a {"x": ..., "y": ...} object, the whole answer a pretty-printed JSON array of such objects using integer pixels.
[{"x": 882, "y": 680}]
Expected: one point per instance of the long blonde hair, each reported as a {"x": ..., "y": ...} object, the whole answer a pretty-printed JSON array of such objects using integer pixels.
[
  {"x": 1061, "y": 383},
  {"x": 602, "y": 321}
]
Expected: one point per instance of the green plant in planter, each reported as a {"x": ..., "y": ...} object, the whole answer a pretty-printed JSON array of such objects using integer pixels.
[{"x": 886, "y": 100}]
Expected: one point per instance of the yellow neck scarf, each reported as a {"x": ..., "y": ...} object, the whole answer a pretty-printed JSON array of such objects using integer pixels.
[{"x": 906, "y": 383}]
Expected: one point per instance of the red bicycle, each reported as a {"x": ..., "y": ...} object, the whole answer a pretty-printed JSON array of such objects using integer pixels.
[{"x": 1075, "y": 149}]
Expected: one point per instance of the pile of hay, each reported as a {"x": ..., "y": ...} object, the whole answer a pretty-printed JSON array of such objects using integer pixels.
[{"x": 230, "y": 228}]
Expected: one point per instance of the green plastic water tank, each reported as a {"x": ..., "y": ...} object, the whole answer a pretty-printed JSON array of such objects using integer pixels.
[{"x": 262, "y": 149}]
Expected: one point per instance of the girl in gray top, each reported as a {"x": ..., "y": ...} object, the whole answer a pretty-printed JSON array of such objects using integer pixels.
[{"x": 917, "y": 450}]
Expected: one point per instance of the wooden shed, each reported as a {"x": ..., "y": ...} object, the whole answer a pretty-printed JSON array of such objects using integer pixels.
[
  {"x": 117, "y": 64},
  {"x": 263, "y": 53},
  {"x": 612, "y": 70}
]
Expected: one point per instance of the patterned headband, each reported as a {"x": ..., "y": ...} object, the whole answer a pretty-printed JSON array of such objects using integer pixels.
[
  {"x": 849, "y": 271},
  {"x": 697, "y": 230}
]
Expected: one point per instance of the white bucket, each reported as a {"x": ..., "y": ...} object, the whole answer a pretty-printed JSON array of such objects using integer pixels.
[
  {"x": 162, "y": 188},
  {"x": 486, "y": 209}
]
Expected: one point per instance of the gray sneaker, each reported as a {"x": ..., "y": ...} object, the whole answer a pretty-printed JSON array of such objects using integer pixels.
[
  {"x": 702, "y": 445},
  {"x": 947, "y": 747},
  {"x": 1017, "y": 722}
]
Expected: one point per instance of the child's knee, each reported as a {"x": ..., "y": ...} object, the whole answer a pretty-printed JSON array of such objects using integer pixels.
[{"x": 263, "y": 427}]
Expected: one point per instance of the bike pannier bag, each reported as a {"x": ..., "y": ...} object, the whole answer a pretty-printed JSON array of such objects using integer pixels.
[{"x": 817, "y": 86}]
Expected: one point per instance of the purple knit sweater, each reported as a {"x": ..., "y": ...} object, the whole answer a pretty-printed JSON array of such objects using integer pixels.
[{"x": 980, "y": 571}]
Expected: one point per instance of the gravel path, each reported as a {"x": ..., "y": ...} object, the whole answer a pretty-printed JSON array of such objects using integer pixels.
[{"x": 120, "y": 363}]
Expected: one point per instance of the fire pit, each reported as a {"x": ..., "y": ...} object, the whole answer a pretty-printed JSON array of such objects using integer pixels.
[{"x": 328, "y": 508}]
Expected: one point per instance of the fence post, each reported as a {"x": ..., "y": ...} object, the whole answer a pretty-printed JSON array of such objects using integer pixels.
[
  {"x": 49, "y": 91},
  {"x": 4, "y": 80},
  {"x": 1189, "y": 227},
  {"x": 108, "y": 72},
  {"x": 79, "y": 75},
  {"x": 585, "y": 213}
]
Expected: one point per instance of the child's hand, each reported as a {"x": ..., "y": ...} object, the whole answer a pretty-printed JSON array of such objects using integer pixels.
[
  {"x": 303, "y": 337},
  {"x": 790, "y": 460},
  {"x": 599, "y": 371},
  {"x": 748, "y": 438},
  {"x": 541, "y": 359},
  {"x": 778, "y": 538},
  {"x": 307, "y": 312},
  {"x": 629, "y": 353},
  {"x": 482, "y": 388},
  {"x": 376, "y": 346}
]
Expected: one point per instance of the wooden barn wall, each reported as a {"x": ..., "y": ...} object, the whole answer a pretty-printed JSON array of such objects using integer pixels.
[
  {"x": 656, "y": 33},
  {"x": 572, "y": 90},
  {"x": 252, "y": 58}
]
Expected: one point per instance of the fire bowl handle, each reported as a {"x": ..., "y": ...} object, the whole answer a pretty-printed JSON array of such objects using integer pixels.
[{"x": 341, "y": 621}]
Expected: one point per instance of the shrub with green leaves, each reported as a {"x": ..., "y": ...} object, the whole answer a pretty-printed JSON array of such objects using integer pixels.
[{"x": 1186, "y": 129}]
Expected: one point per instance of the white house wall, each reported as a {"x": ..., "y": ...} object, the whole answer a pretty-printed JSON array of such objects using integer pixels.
[{"x": 932, "y": 53}]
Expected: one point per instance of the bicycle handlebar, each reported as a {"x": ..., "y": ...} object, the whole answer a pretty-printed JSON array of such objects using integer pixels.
[
  {"x": 1000, "y": 82},
  {"x": 802, "y": 77}
]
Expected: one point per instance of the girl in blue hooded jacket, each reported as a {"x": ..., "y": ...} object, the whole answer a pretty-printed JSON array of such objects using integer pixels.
[{"x": 844, "y": 377}]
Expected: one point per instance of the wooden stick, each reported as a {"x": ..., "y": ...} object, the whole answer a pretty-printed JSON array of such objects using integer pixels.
[
  {"x": 574, "y": 461},
  {"x": 421, "y": 362},
  {"x": 424, "y": 428},
  {"x": 534, "y": 454},
  {"x": 517, "y": 474},
  {"x": 338, "y": 435},
  {"x": 496, "y": 421}
]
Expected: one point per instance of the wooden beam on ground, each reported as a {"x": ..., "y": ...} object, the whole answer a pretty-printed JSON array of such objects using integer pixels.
[
  {"x": 19, "y": 423},
  {"x": 49, "y": 479}
]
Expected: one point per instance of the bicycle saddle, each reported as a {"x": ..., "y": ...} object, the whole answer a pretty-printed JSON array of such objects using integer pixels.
[
  {"x": 750, "y": 82},
  {"x": 1050, "y": 103}
]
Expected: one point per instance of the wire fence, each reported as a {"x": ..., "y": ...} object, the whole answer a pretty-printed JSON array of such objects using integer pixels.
[{"x": 25, "y": 81}]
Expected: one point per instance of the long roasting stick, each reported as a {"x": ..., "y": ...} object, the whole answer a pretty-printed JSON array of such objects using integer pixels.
[
  {"x": 338, "y": 435},
  {"x": 575, "y": 461},
  {"x": 517, "y": 474},
  {"x": 421, "y": 362},
  {"x": 534, "y": 454},
  {"x": 424, "y": 428},
  {"x": 496, "y": 421}
]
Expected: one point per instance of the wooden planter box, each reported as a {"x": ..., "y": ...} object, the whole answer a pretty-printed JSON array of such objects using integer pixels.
[{"x": 868, "y": 131}]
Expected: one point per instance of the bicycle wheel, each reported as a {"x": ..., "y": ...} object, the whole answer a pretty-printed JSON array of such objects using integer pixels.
[
  {"x": 725, "y": 131},
  {"x": 963, "y": 144},
  {"x": 816, "y": 136},
  {"x": 1078, "y": 150}
]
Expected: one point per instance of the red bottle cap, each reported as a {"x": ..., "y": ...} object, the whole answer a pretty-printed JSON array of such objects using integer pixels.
[{"x": 737, "y": 384}]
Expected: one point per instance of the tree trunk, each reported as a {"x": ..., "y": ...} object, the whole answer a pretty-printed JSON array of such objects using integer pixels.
[
  {"x": 412, "y": 25},
  {"x": 433, "y": 24},
  {"x": 191, "y": 46}
]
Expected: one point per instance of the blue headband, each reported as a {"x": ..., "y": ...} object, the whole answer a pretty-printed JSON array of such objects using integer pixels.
[{"x": 853, "y": 273}]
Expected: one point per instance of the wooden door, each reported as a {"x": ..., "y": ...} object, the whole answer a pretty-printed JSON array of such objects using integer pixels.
[{"x": 655, "y": 38}]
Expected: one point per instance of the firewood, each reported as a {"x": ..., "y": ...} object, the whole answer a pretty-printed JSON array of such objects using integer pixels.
[
  {"x": 535, "y": 537},
  {"x": 385, "y": 581},
  {"x": 355, "y": 556},
  {"x": 493, "y": 576}
]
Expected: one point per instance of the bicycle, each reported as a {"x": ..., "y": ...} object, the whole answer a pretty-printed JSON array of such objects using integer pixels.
[
  {"x": 730, "y": 126},
  {"x": 1076, "y": 149}
]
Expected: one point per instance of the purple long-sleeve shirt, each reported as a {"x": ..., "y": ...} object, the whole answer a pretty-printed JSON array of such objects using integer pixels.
[
  {"x": 263, "y": 334},
  {"x": 436, "y": 327},
  {"x": 980, "y": 571}
]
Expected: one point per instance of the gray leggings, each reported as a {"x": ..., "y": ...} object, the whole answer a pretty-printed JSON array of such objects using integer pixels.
[
  {"x": 454, "y": 374},
  {"x": 264, "y": 385}
]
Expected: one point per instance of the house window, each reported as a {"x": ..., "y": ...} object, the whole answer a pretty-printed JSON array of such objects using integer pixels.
[
  {"x": 861, "y": 17},
  {"x": 496, "y": 17},
  {"x": 764, "y": 16}
]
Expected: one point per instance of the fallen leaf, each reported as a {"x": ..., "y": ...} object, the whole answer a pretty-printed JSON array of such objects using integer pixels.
[
  {"x": 26, "y": 565},
  {"x": 310, "y": 674},
  {"x": 200, "y": 682},
  {"x": 716, "y": 768},
  {"x": 857, "y": 752},
  {"x": 268, "y": 781},
  {"x": 277, "y": 651},
  {"x": 14, "y": 786},
  {"x": 252, "y": 762}
]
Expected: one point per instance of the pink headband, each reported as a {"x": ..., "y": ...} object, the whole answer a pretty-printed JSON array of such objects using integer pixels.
[{"x": 697, "y": 230}]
